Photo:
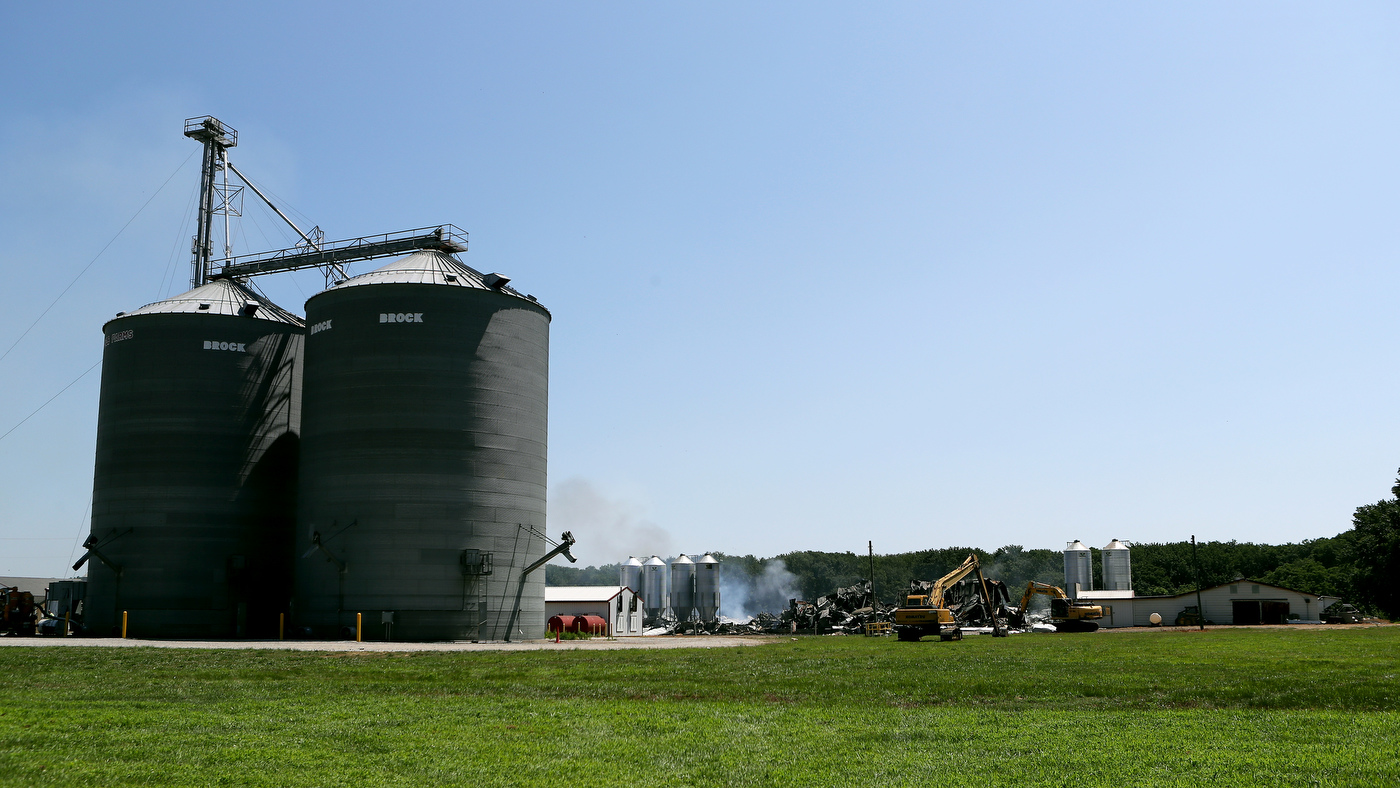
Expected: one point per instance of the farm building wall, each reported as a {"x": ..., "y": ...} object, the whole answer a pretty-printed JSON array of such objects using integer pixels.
[
  {"x": 620, "y": 606},
  {"x": 1255, "y": 603}
]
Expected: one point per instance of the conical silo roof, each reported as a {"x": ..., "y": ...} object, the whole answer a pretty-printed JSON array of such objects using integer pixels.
[
  {"x": 429, "y": 267},
  {"x": 219, "y": 297}
]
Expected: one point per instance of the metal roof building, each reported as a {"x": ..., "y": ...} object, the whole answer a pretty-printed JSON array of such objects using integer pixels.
[{"x": 1238, "y": 602}]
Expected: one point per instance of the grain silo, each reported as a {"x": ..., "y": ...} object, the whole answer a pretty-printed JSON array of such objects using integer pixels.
[
  {"x": 1117, "y": 567},
  {"x": 630, "y": 574},
  {"x": 194, "y": 483},
  {"x": 707, "y": 588},
  {"x": 682, "y": 587},
  {"x": 422, "y": 493},
  {"x": 1079, "y": 569},
  {"x": 654, "y": 596}
]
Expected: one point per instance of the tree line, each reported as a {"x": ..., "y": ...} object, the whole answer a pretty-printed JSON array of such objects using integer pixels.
[{"x": 1361, "y": 566}]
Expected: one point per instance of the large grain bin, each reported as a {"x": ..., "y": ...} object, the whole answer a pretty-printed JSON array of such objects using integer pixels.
[
  {"x": 423, "y": 453},
  {"x": 194, "y": 485}
]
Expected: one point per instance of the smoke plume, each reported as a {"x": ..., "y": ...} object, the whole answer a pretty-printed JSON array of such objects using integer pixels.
[
  {"x": 608, "y": 530},
  {"x": 743, "y": 596}
]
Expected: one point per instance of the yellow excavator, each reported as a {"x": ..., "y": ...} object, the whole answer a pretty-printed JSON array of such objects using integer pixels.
[
  {"x": 923, "y": 612},
  {"x": 1066, "y": 614}
]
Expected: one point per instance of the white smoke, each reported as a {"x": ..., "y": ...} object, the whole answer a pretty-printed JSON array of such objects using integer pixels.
[
  {"x": 742, "y": 597},
  {"x": 608, "y": 530}
]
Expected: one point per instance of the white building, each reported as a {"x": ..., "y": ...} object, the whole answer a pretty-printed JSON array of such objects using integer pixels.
[
  {"x": 620, "y": 606},
  {"x": 1238, "y": 602}
]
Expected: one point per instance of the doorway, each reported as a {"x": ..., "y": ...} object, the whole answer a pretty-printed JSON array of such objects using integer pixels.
[{"x": 1246, "y": 612}]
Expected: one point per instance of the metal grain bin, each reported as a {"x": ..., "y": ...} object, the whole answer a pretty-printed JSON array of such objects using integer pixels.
[
  {"x": 194, "y": 485},
  {"x": 1117, "y": 567},
  {"x": 654, "y": 585},
  {"x": 707, "y": 588},
  {"x": 1079, "y": 569},
  {"x": 423, "y": 453},
  {"x": 683, "y": 587},
  {"x": 630, "y": 574}
]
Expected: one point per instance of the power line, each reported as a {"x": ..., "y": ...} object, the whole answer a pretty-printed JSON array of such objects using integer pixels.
[
  {"x": 89, "y": 265},
  {"x": 50, "y": 399}
]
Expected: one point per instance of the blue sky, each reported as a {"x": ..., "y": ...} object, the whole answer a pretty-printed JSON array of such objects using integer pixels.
[{"x": 930, "y": 274}]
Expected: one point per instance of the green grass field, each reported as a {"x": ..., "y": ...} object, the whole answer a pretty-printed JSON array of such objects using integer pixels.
[{"x": 1258, "y": 708}]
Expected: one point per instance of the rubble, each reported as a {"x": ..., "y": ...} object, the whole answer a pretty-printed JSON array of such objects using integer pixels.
[{"x": 846, "y": 611}]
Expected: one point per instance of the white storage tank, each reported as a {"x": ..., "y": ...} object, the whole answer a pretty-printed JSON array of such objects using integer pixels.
[
  {"x": 1079, "y": 569},
  {"x": 1117, "y": 567},
  {"x": 682, "y": 587}
]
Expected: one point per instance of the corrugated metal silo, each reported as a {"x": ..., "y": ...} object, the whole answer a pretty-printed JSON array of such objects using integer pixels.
[
  {"x": 423, "y": 453},
  {"x": 630, "y": 574},
  {"x": 683, "y": 587},
  {"x": 707, "y": 588},
  {"x": 1117, "y": 567},
  {"x": 654, "y": 596},
  {"x": 194, "y": 485},
  {"x": 1079, "y": 569}
]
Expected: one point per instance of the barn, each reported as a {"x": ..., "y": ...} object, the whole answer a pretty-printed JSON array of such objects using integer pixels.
[{"x": 620, "y": 606}]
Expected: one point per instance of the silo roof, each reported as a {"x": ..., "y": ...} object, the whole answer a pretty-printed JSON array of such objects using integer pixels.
[
  {"x": 430, "y": 267},
  {"x": 219, "y": 297}
]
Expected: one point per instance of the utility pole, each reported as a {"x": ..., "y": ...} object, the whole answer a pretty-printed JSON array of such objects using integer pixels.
[
  {"x": 871, "y": 545},
  {"x": 1200, "y": 608}
]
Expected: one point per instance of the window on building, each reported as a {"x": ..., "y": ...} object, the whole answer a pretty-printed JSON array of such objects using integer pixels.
[
  {"x": 1234, "y": 589},
  {"x": 1254, "y": 589}
]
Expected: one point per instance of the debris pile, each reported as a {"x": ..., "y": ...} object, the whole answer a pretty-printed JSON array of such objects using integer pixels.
[
  {"x": 965, "y": 601},
  {"x": 845, "y": 610}
]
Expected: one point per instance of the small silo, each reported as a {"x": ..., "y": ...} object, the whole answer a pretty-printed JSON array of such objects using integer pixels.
[
  {"x": 1117, "y": 567},
  {"x": 630, "y": 574},
  {"x": 682, "y": 587},
  {"x": 194, "y": 484},
  {"x": 707, "y": 588},
  {"x": 1079, "y": 569},
  {"x": 423, "y": 454},
  {"x": 654, "y": 576}
]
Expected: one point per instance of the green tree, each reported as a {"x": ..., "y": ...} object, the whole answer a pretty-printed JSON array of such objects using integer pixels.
[{"x": 1375, "y": 551}]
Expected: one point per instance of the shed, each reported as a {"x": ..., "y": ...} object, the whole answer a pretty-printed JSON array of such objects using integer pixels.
[
  {"x": 1237, "y": 602},
  {"x": 620, "y": 606}
]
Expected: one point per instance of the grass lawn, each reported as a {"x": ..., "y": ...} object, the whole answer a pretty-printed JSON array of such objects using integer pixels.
[{"x": 1243, "y": 707}]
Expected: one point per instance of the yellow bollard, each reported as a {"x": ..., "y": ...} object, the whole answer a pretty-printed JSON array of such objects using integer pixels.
[
  {"x": 281, "y": 625},
  {"x": 123, "y": 624},
  {"x": 358, "y": 622}
]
